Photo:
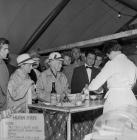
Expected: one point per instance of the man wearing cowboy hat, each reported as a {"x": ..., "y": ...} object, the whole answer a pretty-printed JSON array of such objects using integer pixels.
[
  {"x": 52, "y": 74},
  {"x": 20, "y": 85}
]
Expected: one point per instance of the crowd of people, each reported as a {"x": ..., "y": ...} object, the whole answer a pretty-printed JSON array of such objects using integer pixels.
[
  {"x": 19, "y": 85},
  {"x": 71, "y": 71}
]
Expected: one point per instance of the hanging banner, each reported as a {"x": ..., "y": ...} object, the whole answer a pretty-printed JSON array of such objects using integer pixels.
[{"x": 22, "y": 127}]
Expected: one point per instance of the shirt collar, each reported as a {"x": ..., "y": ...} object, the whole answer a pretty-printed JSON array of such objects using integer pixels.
[
  {"x": 49, "y": 73},
  {"x": 118, "y": 56}
]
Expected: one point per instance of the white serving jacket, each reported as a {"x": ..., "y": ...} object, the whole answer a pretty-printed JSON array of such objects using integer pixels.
[{"x": 120, "y": 74}]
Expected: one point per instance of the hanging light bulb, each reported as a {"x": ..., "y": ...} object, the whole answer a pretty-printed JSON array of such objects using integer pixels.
[{"x": 119, "y": 15}]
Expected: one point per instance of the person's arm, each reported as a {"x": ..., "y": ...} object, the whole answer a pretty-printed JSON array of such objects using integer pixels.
[
  {"x": 40, "y": 86},
  {"x": 40, "y": 90},
  {"x": 19, "y": 90},
  {"x": 65, "y": 84},
  {"x": 134, "y": 88},
  {"x": 4, "y": 77},
  {"x": 102, "y": 77}
]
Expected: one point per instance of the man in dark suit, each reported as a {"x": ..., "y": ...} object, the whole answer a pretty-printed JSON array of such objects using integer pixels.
[
  {"x": 4, "y": 73},
  {"x": 84, "y": 74}
]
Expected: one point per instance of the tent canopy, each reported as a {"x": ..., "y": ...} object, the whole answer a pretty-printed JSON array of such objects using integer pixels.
[{"x": 45, "y": 24}]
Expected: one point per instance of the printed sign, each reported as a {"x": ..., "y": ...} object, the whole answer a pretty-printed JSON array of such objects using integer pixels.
[{"x": 22, "y": 127}]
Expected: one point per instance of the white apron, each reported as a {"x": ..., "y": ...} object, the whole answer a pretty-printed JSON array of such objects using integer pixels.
[{"x": 119, "y": 97}]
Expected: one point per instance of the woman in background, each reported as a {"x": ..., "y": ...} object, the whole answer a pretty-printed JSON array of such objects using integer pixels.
[{"x": 50, "y": 76}]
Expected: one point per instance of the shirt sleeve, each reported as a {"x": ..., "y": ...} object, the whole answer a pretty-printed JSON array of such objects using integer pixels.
[
  {"x": 42, "y": 93},
  {"x": 102, "y": 77},
  {"x": 66, "y": 84},
  {"x": 18, "y": 89},
  {"x": 4, "y": 77},
  {"x": 135, "y": 79},
  {"x": 40, "y": 86}
]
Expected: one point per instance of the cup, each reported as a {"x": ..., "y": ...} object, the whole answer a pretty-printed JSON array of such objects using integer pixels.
[
  {"x": 58, "y": 98},
  {"x": 53, "y": 99}
]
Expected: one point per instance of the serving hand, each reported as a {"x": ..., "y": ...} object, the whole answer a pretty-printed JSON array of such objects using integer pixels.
[{"x": 98, "y": 91}]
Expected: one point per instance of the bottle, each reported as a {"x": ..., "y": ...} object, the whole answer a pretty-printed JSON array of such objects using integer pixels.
[
  {"x": 53, "y": 91},
  {"x": 53, "y": 95}
]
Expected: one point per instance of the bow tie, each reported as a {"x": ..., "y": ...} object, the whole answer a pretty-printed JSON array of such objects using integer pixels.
[{"x": 88, "y": 67}]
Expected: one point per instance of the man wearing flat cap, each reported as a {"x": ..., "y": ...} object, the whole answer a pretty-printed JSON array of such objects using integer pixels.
[
  {"x": 20, "y": 86},
  {"x": 52, "y": 74}
]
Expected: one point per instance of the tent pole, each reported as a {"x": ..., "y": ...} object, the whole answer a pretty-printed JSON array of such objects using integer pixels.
[
  {"x": 132, "y": 4},
  {"x": 92, "y": 42},
  {"x": 44, "y": 25}
]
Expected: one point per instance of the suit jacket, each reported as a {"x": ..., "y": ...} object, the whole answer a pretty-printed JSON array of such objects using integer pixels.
[
  {"x": 80, "y": 78},
  {"x": 11, "y": 68},
  {"x": 34, "y": 75},
  {"x": 4, "y": 77}
]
